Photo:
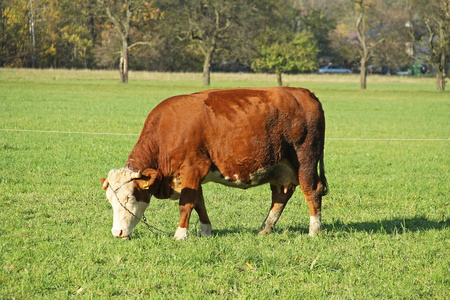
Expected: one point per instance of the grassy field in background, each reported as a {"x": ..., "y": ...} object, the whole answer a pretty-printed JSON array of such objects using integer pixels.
[{"x": 386, "y": 230}]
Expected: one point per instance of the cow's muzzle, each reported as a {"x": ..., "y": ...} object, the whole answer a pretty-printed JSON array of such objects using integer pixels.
[{"x": 119, "y": 233}]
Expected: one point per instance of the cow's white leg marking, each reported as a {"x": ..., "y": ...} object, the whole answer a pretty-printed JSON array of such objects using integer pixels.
[
  {"x": 272, "y": 218},
  {"x": 269, "y": 222},
  {"x": 206, "y": 229},
  {"x": 314, "y": 224},
  {"x": 181, "y": 234}
]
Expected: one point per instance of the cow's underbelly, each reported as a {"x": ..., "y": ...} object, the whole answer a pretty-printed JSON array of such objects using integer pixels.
[{"x": 282, "y": 175}]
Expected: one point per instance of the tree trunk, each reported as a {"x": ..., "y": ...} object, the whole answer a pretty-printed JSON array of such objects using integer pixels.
[
  {"x": 123, "y": 64},
  {"x": 440, "y": 77},
  {"x": 361, "y": 32},
  {"x": 363, "y": 74},
  {"x": 279, "y": 78},
  {"x": 32, "y": 36},
  {"x": 440, "y": 74},
  {"x": 207, "y": 67}
]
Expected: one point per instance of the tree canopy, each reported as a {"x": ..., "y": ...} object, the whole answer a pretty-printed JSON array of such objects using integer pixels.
[
  {"x": 225, "y": 35},
  {"x": 286, "y": 54},
  {"x": 434, "y": 15}
]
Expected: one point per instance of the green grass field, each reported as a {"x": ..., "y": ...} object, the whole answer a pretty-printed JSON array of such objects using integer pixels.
[{"x": 386, "y": 230}]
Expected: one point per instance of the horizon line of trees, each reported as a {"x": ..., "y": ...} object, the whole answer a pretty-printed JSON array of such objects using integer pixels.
[{"x": 293, "y": 36}]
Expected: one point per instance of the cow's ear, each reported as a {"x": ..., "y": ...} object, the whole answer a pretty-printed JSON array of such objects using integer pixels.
[
  {"x": 147, "y": 179},
  {"x": 104, "y": 183}
]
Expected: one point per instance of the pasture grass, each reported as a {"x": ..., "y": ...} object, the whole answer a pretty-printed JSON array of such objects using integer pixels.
[{"x": 385, "y": 221}]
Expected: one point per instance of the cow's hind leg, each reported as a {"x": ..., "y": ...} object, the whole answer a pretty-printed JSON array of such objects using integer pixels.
[
  {"x": 200, "y": 208},
  {"x": 313, "y": 187},
  {"x": 280, "y": 197}
]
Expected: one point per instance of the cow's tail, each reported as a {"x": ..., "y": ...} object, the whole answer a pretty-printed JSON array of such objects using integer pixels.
[{"x": 323, "y": 179}]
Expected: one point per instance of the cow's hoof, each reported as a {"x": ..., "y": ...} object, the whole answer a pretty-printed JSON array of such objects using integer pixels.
[
  {"x": 203, "y": 234},
  {"x": 181, "y": 234},
  {"x": 206, "y": 229},
  {"x": 315, "y": 224},
  {"x": 314, "y": 233}
]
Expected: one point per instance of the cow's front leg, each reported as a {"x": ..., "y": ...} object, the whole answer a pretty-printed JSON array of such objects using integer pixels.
[
  {"x": 191, "y": 195},
  {"x": 280, "y": 197},
  {"x": 187, "y": 203}
]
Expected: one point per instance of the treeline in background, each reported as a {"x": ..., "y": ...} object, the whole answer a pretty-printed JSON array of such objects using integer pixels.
[{"x": 291, "y": 36}]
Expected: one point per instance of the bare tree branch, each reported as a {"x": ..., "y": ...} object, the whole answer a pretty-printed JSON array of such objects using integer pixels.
[{"x": 139, "y": 43}]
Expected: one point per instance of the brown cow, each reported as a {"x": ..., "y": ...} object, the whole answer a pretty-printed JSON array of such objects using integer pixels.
[{"x": 240, "y": 138}]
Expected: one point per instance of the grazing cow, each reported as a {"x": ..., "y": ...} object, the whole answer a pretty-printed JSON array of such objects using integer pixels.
[{"x": 238, "y": 137}]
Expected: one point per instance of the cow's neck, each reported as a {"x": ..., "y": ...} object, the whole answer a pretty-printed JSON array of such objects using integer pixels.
[{"x": 141, "y": 157}]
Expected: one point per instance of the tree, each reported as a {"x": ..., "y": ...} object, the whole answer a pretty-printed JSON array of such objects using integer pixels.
[
  {"x": 45, "y": 33},
  {"x": 363, "y": 11},
  {"x": 64, "y": 37},
  {"x": 18, "y": 32},
  {"x": 285, "y": 44},
  {"x": 280, "y": 54},
  {"x": 209, "y": 25},
  {"x": 77, "y": 32},
  {"x": 393, "y": 50},
  {"x": 435, "y": 15},
  {"x": 32, "y": 32},
  {"x": 14, "y": 33},
  {"x": 320, "y": 26},
  {"x": 122, "y": 14},
  {"x": 208, "y": 22}
]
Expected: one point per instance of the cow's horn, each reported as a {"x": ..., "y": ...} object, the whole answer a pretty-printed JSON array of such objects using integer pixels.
[
  {"x": 105, "y": 184},
  {"x": 136, "y": 175}
]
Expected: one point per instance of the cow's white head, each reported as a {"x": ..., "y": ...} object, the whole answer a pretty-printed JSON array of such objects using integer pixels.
[{"x": 126, "y": 191}]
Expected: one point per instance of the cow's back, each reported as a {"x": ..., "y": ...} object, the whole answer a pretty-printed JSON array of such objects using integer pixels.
[
  {"x": 251, "y": 129},
  {"x": 239, "y": 130}
]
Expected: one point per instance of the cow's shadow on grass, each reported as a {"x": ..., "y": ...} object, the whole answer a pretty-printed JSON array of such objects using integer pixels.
[
  {"x": 394, "y": 226},
  {"x": 397, "y": 225},
  {"x": 233, "y": 230}
]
